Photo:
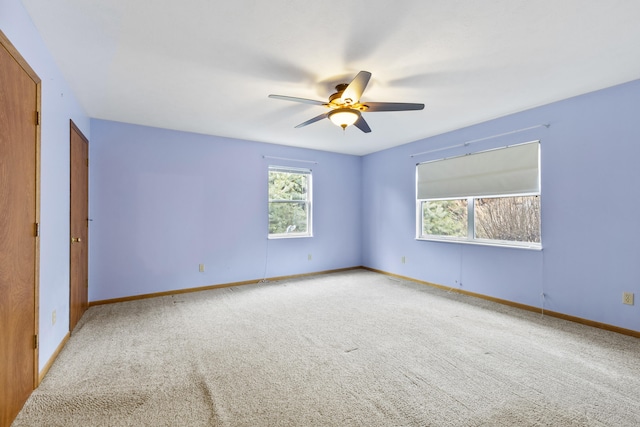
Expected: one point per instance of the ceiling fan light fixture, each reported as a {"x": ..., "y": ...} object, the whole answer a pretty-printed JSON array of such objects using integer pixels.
[{"x": 344, "y": 117}]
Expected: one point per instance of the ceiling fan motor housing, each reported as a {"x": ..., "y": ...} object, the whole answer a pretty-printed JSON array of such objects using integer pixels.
[{"x": 338, "y": 95}]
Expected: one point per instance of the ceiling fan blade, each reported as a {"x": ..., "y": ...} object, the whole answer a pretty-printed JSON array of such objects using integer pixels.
[
  {"x": 313, "y": 120},
  {"x": 294, "y": 99},
  {"x": 392, "y": 106},
  {"x": 362, "y": 125},
  {"x": 356, "y": 87}
]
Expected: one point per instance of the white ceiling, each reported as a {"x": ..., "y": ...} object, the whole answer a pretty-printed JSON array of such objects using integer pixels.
[{"x": 208, "y": 66}]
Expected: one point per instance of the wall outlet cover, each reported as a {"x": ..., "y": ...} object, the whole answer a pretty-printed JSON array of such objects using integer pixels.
[{"x": 627, "y": 298}]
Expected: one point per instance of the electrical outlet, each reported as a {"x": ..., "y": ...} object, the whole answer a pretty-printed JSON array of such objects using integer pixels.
[
  {"x": 404, "y": 260},
  {"x": 309, "y": 257},
  {"x": 201, "y": 268},
  {"x": 53, "y": 318},
  {"x": 627, "y": 298}
]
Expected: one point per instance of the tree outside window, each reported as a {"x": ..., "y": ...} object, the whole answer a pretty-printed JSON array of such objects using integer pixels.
[{"x": 513, "y": 219}]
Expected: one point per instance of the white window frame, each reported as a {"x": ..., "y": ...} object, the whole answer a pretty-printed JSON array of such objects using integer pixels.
[
  {"x": 308, "y": 202},
  {"x": 471, "y": 238}
]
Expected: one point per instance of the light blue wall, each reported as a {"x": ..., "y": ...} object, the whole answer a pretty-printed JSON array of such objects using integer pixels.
[
  {"x": 58, "y": 106},
  {"x": 590, "y": 225},
  {"x": 163, "y": 202}
]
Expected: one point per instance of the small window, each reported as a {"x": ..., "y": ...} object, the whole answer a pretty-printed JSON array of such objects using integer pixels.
[
  {"x": 490, "y": 197},
  {"x": 289, "y": 202}
]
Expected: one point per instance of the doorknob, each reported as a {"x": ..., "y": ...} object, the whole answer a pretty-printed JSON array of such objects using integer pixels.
[{"x": 75, "y": 240}]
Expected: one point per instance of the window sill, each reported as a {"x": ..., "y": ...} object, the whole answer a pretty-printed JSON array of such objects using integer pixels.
[
  {"x": 497, "y": 243},
  {"x": 288, "y": 236}
]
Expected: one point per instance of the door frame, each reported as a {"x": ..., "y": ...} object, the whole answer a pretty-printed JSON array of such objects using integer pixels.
[{"x": 6, "y": 43}]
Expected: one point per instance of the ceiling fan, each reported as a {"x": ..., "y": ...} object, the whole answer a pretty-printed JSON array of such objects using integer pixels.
[{"x": 346, "y": 107}]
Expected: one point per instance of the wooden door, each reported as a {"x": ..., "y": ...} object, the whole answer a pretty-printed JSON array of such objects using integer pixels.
[
  {"x": 79, "y": 283},
  {"x": 19, "y": 180}
]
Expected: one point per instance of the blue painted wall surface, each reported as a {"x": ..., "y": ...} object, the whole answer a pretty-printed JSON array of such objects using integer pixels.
[
  {"x": 163, "y": 202},
  {"x": 590, "y": 226},
  {"x": 58, "y": 106}
]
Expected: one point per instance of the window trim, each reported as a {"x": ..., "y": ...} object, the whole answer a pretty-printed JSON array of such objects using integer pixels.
[{"x": 308, "y": 202}]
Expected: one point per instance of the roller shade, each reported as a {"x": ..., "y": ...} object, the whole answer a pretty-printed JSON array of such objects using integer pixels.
[{"x": 508, "y": 170}]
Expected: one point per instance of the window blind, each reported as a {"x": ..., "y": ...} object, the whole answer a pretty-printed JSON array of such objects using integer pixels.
[
  {"x": 289, "y": 170},
  {"x": 503, "y": 171}
]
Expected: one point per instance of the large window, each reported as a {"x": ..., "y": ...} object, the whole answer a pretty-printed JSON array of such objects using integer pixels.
[
  {"x": 491, "y": 197},
  {"x": 289, "y": 202}
]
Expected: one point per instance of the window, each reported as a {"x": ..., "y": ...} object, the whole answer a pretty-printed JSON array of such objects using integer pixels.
[
  {"x": 289, "y": 202},
  {"x": 513, "y": 219},
  {"x": 491, "y": 197},
  {"x": 445, "y": 217}
]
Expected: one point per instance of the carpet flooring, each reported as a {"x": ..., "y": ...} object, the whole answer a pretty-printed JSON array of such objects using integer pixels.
[{"x": 355, "y": 348}]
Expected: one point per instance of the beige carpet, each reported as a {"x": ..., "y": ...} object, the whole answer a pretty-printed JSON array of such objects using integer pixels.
[{"x": 343, "y": 349}]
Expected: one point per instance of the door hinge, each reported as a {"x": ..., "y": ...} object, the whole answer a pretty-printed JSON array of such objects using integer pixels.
[
  {"x": 87, "y": 162},
  {"x": 35, "y": 342},
  {"x": 37, "y": 118},
  {"x": 37, "y": 229}
]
